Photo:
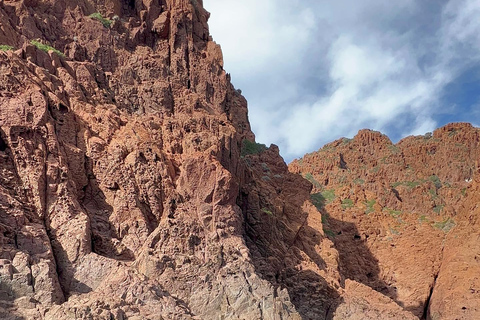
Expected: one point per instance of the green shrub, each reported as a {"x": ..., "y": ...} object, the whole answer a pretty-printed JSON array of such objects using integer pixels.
[
  {"x": 319, "y": 199},
  {"x": 396, "y": 184},
  {"x": 370, "y": 204},
  {"x": 4, "y": 47},
  {"x": 359, "y": 181},
  {"x": 265, "y": 210},
  {"x": 412, "y": 184},
  {"x": 446, "y": 225},
  {"x": 347, "y": 203},
  {"x": 107, "y": 23},
  {"x": 394, "y": 231},
  {"x": 250, "y": 147},
  {"x": 312, "y": 180},
  {"x": 438, "y": 208},
  {"x": 342, "y": 180},
  {"x": 46, "y": 48},
  {"x": 394, "y": 213},
  {"x": 325, "y": 217},
  {"x": 436, "y": 181},
  {"x": 329, "y": 195},
  {"x": 422, "y": 219},
  {"x": 329, "y": 233},
  {"x": 265, "y": 167}
]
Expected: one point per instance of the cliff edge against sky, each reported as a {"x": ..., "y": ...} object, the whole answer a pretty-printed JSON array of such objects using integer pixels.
[{"x": 131, "y": 186}]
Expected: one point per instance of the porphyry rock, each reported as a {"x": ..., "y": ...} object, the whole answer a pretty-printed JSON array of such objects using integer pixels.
[
  {"x": 402, "y": 216},
  {"x": 120, "y": 152},
  {"x": 131, "y": 186}
]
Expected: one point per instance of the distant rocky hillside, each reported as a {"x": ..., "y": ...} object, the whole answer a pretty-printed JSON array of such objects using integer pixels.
[
  {"x": 403, "y": 216},
  {"x": 131, "y": 186}
]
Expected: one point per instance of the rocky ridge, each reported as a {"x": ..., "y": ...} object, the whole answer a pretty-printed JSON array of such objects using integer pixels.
[
  {"x": 131, "y": 186},
  {"x": 121, "y": 139},
  {"x": 403, "y": 216}
]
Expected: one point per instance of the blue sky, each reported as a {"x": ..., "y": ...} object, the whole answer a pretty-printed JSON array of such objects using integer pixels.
[{"x": 317, "y": 70}]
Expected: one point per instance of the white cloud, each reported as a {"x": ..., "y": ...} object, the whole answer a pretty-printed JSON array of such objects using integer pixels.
[
  {"x": 256, "y": 34},
  {"x": 314, "y": 71},
  {"x": 424, "y": 125}
]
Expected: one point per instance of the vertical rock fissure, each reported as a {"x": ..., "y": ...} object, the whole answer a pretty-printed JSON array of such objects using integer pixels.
[
  {"x": 427, "y": 302},
  {"x": 295, "y": 238},
  {"x": 45, "y": 218},
  {"x": 32, "y": 278},
  {"x": 3, "y": 144},
  {"x": 425, "y": 315}
]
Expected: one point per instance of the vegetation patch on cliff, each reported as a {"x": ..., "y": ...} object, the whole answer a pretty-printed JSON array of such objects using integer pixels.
[
  {"x": 312, "y": 180},
  {"x": 250, "y": 147},
  {"x": 46, "y": 47},
  {"x": 107, "y": 23},
  {"x": 347, "y": 203},
  {"x": 4, "y": 47},
  {"x": 445, "y": 225},
  {"x": 319, "y": 199}
]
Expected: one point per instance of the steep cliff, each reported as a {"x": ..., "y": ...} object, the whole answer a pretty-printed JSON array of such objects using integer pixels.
[
  {"x": 131, "y": 186},
  {"x": 121, "y": 140},
  {"x": 402, "y": 216}
]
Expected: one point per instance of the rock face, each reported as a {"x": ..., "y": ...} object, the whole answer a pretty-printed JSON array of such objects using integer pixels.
[
  {"x": 131, "y": 186},
  {"x": 403, "y": 217},
  {"x": 121, "y": 167}
]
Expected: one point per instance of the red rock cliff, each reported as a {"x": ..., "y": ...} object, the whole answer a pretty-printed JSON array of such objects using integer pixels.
[
  {"x": 121, "y": 168},
  {"x": 131, "y": 186},
  {"x": 402, "y": 216}
]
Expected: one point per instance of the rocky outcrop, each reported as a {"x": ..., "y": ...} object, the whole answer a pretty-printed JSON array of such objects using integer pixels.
[
  {"x": 131, "y": 186},
  {"x": 402, "y": 216},
  {"x": 121, "y": 168},
  {"x": 362, "y": 302},
  {"x": 455, "y": 294}
]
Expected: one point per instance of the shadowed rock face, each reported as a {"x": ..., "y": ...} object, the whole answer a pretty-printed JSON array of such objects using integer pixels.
[
  {"x": 402, "y": 216},
  {"x": 121, "y": 167},
  {"x": 131, "y": 186},
  {"x": 126, "y": 190}
]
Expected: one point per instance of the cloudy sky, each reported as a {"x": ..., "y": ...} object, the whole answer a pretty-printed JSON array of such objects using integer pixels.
[{"x": 317, "y": 70}]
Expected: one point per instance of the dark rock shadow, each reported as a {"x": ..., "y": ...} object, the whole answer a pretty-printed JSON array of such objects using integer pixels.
[
  {"x": 281, "y": 243},
  {"x": 284, "y": 256},
  {"x": 80, "y": 287},
  {"x": 279, "y": 263},
  {"x": 104, "y": 234},
  {"x": 356, "y": 261},
  {"x": 7, "y": 294}
]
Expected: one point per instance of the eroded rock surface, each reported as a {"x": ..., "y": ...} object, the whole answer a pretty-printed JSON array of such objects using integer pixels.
[
  {"x": 121, "y": 167},
  {"x": 131, "y": 186},
  {"x": 402, "y": 216}
]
